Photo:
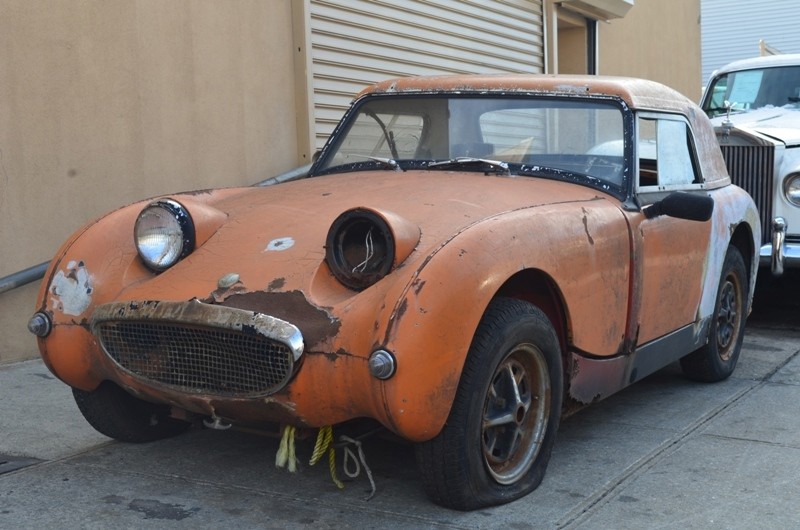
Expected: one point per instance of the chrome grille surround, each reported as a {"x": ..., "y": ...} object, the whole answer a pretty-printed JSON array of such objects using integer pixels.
[
  {"x": 752, "y": 168},
  {"x": 199, "y": 348}
]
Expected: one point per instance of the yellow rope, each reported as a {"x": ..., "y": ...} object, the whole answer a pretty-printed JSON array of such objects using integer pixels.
[
  {"x": 325, "y": 444},
  {"x": 324, "y": 439},
  {"x": 286, "y": 450}
]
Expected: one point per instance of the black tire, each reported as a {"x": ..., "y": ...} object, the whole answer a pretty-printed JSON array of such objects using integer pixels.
[
  {"x": 717, "y": 359},
  {"x": 119, "y": 415},
  {"x": 513, "y": 374}
]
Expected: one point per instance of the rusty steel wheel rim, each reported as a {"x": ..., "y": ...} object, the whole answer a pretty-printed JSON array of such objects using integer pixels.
[
  {"x": 515, "y": 414},
  {"x": 729, "y": 317}
]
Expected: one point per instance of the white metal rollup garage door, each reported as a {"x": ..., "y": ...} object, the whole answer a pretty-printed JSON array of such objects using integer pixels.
[{"x": 357, "y": 42}]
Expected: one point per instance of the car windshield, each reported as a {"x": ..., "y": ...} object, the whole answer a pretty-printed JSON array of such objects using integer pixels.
[
  {"x": 570, "y": 138},
  {"x": 753, "y": 89}
]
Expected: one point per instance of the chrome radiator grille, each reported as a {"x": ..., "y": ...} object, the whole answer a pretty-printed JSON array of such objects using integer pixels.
[
  {"x": 752, "y": 167},
  {"x": 196, "y": 348}
]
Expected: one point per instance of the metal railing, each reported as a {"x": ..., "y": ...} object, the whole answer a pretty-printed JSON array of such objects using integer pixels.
[
  {"x": 293, "y": 174},
  {"x": 31, "y": 274},
  {"x": 18, "y": 279}
]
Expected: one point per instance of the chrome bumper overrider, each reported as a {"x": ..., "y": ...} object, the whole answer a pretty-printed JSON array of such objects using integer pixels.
[{"x": 779, "y": 253}]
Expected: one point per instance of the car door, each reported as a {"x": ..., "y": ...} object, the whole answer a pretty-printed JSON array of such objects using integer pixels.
[{"x": 669, "y": 254}]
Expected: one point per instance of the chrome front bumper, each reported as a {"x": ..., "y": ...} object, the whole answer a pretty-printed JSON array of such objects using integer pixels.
[{"x": 779, "y": 253}]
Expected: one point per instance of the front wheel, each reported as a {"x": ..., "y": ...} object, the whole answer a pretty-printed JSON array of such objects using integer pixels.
[
  {"x": 717, "y": 359},
  {"x": 497, "y": 441},
  {"x": 119, "y": 415}
]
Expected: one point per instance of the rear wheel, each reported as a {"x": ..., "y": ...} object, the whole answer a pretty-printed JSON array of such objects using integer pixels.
[
  {"x": 119, "y": 415},
  {"x": 498, "y": 438},
  {"x": 716, "y": 360}
]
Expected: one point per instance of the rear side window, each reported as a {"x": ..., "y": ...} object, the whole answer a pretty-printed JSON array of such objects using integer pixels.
[{"x": 666, "y": 154}]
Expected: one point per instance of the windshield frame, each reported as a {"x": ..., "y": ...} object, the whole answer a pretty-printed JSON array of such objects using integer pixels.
[{"x": 623, "y": 192}]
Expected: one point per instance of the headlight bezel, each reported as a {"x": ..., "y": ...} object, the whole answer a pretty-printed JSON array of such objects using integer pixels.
[
  {"x": 182, "y": 234},
  {"x": 791, "y": 189},
  {"x": 343, "y": 248}
]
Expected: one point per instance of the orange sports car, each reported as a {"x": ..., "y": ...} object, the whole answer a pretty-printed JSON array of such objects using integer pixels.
[{"x": 466, "y": 258}]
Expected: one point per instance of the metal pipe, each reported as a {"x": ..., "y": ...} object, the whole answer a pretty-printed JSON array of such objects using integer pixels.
[
  {"x": 294, "y": 174},
  {"x": 18, "y": 279},
  {"x": 36, "y": 272}
]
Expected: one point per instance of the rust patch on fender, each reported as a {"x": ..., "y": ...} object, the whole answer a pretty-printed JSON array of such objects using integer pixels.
[
  {"x": 194, "y": 193},
  {"x": 401, "y": 310},
  {"x": 276, "y": 284},
  {"x": 586, "y": 226},
  {"x": 314, "y": 323},
  {"x": 331, "y": 356}
]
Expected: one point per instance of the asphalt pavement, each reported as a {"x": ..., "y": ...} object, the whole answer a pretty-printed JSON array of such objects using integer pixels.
[{"x": 664, "y": 453}]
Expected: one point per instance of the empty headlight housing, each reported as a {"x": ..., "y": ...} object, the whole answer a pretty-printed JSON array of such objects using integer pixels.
[
  {"x": 360, "y": 248},
  {"x": 164, "y": 234},
  {"x": 791, "y": 188}
]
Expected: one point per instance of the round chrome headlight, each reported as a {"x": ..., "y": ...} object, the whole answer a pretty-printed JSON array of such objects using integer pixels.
[
  {"x": 360, "y": 248},
  {"x": 164, "y": 233},
  {"x": 791, "y": 189}
]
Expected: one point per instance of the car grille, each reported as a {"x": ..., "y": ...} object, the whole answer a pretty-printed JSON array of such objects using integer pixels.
[
  {"x": 194, "y": 350},
  {"x": 752, "y": 167}
]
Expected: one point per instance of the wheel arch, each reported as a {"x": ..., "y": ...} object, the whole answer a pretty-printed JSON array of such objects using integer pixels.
[
  {"x": 531, "y": 285},
  {"x": 539, "y": 288},
  {"x": 742, "y": 239}
]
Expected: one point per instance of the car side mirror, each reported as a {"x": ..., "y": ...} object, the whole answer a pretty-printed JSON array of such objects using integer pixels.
[{"x": 682, "y": 205}]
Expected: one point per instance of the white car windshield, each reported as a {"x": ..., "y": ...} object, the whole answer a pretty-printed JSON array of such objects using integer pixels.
[{"x": 753, "y": 89}]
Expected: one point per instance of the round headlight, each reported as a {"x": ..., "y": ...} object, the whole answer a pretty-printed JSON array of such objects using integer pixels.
[
  {"x": 360, "y": 248},
  {"x": 164, "y": 233},
  {"x": 791, "y": 189}
]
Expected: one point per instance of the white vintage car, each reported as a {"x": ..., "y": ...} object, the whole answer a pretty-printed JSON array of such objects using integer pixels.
[{"x": 754, "y": 105}]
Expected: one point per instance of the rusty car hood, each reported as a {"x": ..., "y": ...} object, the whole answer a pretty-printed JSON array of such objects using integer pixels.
[{"x": 273, "y": 238}]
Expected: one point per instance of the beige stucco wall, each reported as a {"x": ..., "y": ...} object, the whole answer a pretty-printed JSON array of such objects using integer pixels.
[
  {"x": 103, "y": 102},
  {"x": 658, "y": 40}
]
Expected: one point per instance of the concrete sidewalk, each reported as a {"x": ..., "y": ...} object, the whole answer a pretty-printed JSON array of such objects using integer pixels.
[{"x": 665, "y": 453}]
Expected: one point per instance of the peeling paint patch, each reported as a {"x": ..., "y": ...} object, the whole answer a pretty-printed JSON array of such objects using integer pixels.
[
  {"x": 586, "y": 226},
  {"x": 282, "y": 243},
  {"x": 573, "y": 88},
  {"x": 276, "y": 284},
  {"x": 72, "y": 289},
  {"x": 317, "y": 324},
  {"x": 402, "y": 309}
]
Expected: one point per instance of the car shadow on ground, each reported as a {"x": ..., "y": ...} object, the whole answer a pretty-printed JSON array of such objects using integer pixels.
[{"x": 777, "y": 300}]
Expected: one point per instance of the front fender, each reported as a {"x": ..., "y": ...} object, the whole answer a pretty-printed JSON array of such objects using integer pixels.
[
  {"x": 91, "y": 268},
  {"x": 584, "y": 247},
  {"x": 732, "y": 207}
]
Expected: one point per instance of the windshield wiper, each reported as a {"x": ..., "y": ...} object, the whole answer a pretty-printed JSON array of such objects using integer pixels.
[
  {"x": 485, "y": 165},
  {"x": 387, "y": 163},
  {"x": 389, "y": 135}
]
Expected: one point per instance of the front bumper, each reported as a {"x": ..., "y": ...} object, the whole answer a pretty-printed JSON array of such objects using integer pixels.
[{"x": 780, "y": 253}]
